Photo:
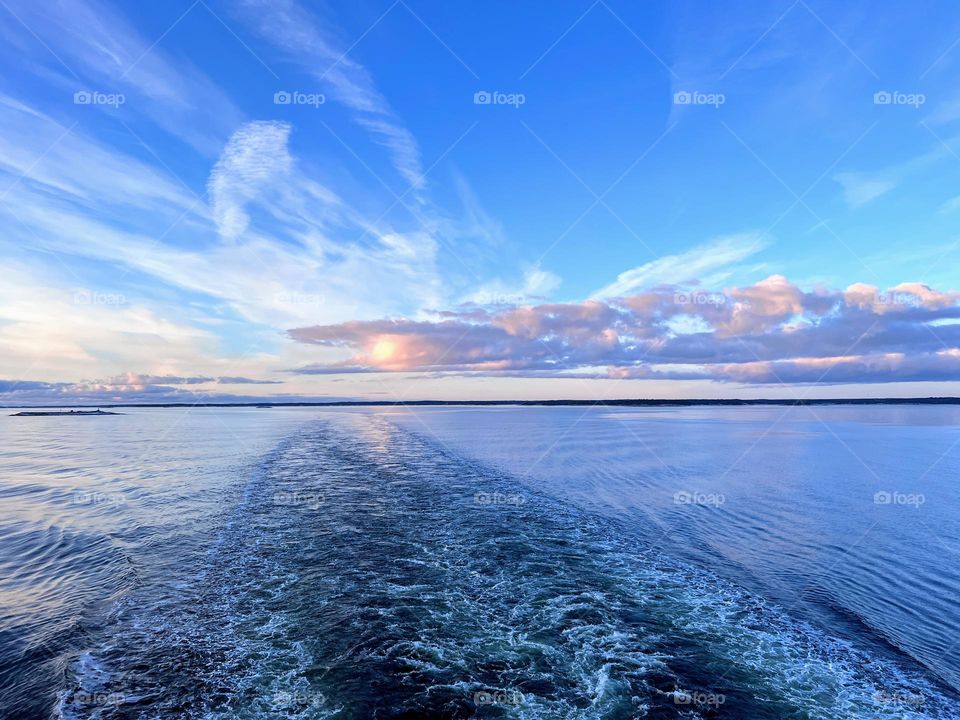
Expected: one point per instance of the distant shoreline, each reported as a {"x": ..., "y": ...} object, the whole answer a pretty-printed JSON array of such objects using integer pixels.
[
  {"x": 525, "y": 403},
  {"x": 74, "y": 412}
]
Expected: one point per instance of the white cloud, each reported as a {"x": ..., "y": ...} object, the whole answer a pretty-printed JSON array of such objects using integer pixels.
[
  {"x": 35, "y": 148},
  {"x": 537, "y": 284},
  {"x": 49, "y": 330},
  {"x": 400, "y": 143},
  {"x": 950, "y": 206},
  {"x": 690, "y": 266},
  {"x": 255, "y": 156},
  {"x": 292, "y": 29},
  {"x": 101, "y": 50},
  {"x": 859, "y": 188},
  {"x": 326, "y": 261}
]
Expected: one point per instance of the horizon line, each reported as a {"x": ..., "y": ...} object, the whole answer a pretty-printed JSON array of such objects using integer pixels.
[{"x": 620, "y": 402}]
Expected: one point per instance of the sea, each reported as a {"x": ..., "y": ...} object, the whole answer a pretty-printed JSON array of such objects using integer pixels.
[{"x": 760, "y": 562}]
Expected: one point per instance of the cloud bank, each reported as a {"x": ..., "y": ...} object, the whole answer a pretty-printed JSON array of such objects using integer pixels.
[{"x": 768, "y": 333}]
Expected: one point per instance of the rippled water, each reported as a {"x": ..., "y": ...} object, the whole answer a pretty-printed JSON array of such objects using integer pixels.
[{"x": 534, "y": 563}]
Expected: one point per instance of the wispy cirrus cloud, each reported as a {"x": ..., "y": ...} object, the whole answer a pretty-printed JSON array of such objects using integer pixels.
[
  {"x": 298, "y": 34},
  {"x": 706, "y": 263},
  {"x": 325, "y": 258},
  {"x": 860, "y": 188},
  {"x": 535, "y": 286},
  {"x": 89, "y": 45},
  {"x": 37, "y": 151}
]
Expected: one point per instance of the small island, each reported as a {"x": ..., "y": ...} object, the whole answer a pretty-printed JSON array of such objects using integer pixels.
[{"x": 35, "y": 413}]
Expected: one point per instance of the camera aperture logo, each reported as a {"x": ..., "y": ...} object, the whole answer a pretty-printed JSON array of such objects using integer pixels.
[
  {"x": 695, "y": 97},
  {"x": 486, "y": 97},
  {"x": 295, "y": 97},
  {"x": 95, "y": 97},
  {"x": 895, "y": 97}
]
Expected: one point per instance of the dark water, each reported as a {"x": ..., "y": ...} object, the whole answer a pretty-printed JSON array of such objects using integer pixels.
[
  {"x": 291, "y": 564},
  {"x": 848, "y": 516}
]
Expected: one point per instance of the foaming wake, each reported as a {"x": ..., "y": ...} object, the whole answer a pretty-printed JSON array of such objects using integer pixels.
[{"x": 369, "y": 573}]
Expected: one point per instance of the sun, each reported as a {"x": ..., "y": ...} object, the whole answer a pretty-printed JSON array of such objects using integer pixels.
[{"x": 383, "y": 351}]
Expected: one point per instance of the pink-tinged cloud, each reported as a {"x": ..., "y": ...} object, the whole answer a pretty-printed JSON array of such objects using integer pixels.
[
  {"x": 138, "y": 381},
  {"x": 31, "y": 393},
  {"x": 769, "y": 332}
]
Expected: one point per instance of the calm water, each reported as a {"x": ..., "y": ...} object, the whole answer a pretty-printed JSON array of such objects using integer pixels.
[{"x": 482, "y": 562}]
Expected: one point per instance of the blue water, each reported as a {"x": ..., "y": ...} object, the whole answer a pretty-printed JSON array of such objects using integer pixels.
[{"x": 481, "y": 562}]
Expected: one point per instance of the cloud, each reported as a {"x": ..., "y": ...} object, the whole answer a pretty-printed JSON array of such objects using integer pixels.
[
  {"x": 690, "y": 266},
  {"x": 137, "y": 380},
  {"x": 859, "y": 188},
  {"x": 327, "y": 261},
  {"x": 34, "y": 393},
  {"x": 296, "y": 32},
  {"x": 769, "y": 332},
  {"x": 255, "y": 157},
  {"x": 536, "y": 285},
  {"x": 110, "y": 56},
  {"x": 950, "y": 206},
  {"x": 38, "y": 151},
  {"x": 401, "y": 144}
]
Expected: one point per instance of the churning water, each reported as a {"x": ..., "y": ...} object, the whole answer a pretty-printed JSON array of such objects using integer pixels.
[{"x": 494, "y": 562}]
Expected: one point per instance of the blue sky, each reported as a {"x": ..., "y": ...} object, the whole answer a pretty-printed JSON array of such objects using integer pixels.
[{"x": 406, "y": 200}]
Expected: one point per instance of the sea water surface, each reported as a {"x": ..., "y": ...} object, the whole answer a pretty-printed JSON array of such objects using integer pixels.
[{"x": 497, "y": 562}]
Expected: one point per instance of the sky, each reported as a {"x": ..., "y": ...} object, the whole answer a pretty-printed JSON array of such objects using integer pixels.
[{"x": 413, "y": 199}]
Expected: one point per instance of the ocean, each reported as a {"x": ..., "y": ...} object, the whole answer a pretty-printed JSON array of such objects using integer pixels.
[{"x": 490, "y": 562}]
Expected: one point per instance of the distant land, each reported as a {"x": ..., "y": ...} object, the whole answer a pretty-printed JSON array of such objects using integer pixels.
[
  {"x": 75, "y": 413},
  {"x": 263, "y": 404}
]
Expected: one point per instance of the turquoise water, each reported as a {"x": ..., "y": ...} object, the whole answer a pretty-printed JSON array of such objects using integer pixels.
[{"x": 491, "y": 562}]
